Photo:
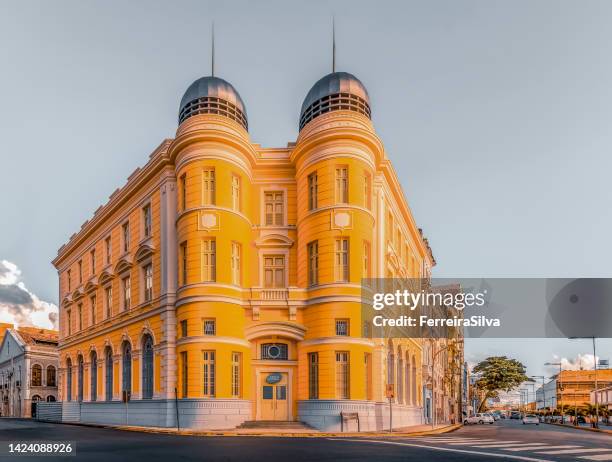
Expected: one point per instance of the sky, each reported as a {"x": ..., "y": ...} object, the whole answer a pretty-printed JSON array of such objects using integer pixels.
[{"x": 495, "y": 114}]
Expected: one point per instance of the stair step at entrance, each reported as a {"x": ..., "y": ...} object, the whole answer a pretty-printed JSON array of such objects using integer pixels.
[{"x": 282, "y": 424}]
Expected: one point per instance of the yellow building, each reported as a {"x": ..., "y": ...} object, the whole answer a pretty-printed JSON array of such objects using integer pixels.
[{"x": 228, "y": 275}]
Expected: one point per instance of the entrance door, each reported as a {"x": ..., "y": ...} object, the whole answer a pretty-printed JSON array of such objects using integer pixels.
[{"x": 273, "y": 396}]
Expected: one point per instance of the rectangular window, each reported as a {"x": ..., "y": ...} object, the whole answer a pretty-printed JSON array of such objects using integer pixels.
[
  {"x": 274, "y": 271},
  {"x": 184, "y": 328},
  {"x": 236, "y": 251},
  {"x": 80, "y": 313},
  {"x": 342, "y": 327},
  {"x": 209, "y": 327},
  {"x": 367, "y": 359},
  {"x": 313, "y": 263},
  {"x": 92, "y": 302},
  {"x": 146, "y": 218},
  {"x": 208, "y": 186},
  {"x": 313, "y": 191},
  {"x": 183, "y": 191},
  {"x": 236, "y": 373},
  {"x": 184, "y": 373},
  {"x": 274, "y": 207},
  {"x": 208, "y": 370},
  {"x": 107, "y": 245},
  {"x": 342, "y": 260},
  {"x": 342, "y": 375},
  {"x": 92, "y": 261},
  {"x": 127, "y": 293},
  {"x": 68, "y": 279},
  {"x": 367, "y": 190},
  {"x": 183, "y": 257},
  {"x": 236, "y": 192},
  {"x": 313, "y": 375},
  {"x": 342, "y": 185},
  {"x": 80, "y": 271},
  {"x": 126, "y": 237},
  {"x": 109, "y": 302},
  {"x": 209, "y": 260},
  {"x": 365, "y": 271},
  {"x": 148, "y": 282},
  {"x": 69, "y": 321}
]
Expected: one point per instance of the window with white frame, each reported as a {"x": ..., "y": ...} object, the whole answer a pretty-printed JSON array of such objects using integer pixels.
[
  {"x": 148, "y": 282},
  {"x": 127, "y": 292},
  {"x": 208, "y": 372},
  {"x": 342, "y": 375},
  {"x": 274, "y": 208},
  {"x": 342, "y": 260},
  {"x": 342, "y": 185},
  {"x": 146, "y": 219},
  {"x": 236, "y": 374},
  {"x": 208, "y": 186},
  {"x": 342, "y": 327},
  {"x": 209, "y": 260},
  {"x": 209, "y": 326},
  {"x": 235, "y": 192},
  {"x": 313, "y": 191},
  {"x": 274, "y": 271},
  {"x": 236, "y": 255}
]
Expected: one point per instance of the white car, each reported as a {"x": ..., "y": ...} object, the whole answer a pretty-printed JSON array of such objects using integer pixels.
[
  {"x": 531, "y": 419},
  {"x": 479, "y": 419}
]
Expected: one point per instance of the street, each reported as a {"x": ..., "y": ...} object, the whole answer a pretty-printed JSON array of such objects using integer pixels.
[{"x": 505, "y": 440}]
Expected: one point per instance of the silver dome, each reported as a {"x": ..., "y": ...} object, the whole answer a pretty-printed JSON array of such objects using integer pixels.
[
  {"x": 334, "y": 85},
  {"x": 209, "y": 95}
]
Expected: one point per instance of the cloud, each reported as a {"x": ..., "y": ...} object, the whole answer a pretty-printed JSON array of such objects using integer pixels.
[
  {"x": 20, "y": 306},
  {"x": 582, "y": 361}
]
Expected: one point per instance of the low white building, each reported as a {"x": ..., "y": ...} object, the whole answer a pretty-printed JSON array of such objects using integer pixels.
[
  {"x": 28, "y": 370},
  {"x": 604, "y": 397}
]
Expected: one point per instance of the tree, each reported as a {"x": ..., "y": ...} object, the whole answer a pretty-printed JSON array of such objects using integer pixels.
[{"x": 498, "y": 373}]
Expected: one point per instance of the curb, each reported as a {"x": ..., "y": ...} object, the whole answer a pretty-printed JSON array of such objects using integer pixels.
[
  {"x": 232, "y": 433},
  {"x": 586, "y": 429}
]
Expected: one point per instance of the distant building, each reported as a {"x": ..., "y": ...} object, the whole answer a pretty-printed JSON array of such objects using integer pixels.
[
  {"x": 572, "y": 388},
  {"x": 28, "y": 369},
  {"x": 604, "y": 397}
]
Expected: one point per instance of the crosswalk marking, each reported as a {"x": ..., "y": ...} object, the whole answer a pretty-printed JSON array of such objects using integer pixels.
[
  {"x": 597, "y": 457},
  {"x": 467, "y": 443},
  {"x": 528, "y": 447},
  {"x": 506, "y": 444},
  {"x": 576, "y": 451}
]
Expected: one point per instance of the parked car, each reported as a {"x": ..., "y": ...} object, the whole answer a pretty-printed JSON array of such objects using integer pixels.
[
  {"x": 479, "y": 419},
  {"x": 515, "y": 415},
  {"x": 531, "y": 419},
  {"x": 495, "y": 416}
]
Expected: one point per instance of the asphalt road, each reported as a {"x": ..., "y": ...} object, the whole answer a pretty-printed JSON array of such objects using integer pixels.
[{"x": 505, "y": 440}]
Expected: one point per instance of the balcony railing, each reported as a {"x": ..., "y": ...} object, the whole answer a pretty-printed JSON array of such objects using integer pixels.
[{"x": 274, "y": 294}]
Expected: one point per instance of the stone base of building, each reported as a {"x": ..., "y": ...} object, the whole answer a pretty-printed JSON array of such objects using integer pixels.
[
  {"x": 324, "y": 415},
  {"x": 224, "y": 414},
  {"x": 211, "y": 414}
]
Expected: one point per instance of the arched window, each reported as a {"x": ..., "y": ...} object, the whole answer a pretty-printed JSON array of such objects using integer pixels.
[
  {"x": 36, "y": 375},
  {"x": 414, "y": 380},
  {"x": 147, "y": 367},
  {"x": 127, "y": 367},
  {"x": 108, "y": 364},
  {"x": 51, "y": 381},
  {"x": 80, "y": 378},
  {"x": 68, "y": 379},
  {"x": 94, "y": 376},
  {"x": 400, "y": 377},
  {"x": 407, "y": 391},
  {"x": 50, "y": 399}
]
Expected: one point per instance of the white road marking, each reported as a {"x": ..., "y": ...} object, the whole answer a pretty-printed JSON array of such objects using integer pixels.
[
  {"x": 435, "y": 448},
  {"x": 577, "y": 451},
  {"x": 467, "y": 443},
  {"x": 505, "y": 444},
  {"x": 528, "y": 447},
  {"x": 598, "y": 457}
]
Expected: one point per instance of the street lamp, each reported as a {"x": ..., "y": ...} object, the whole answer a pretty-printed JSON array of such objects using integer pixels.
[
  {"x": 558, "y": 385},
  {"x": 596, "y": 423},
  {"x": 543, "y": 392}
]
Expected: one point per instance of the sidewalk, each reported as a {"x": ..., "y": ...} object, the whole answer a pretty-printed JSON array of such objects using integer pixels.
[
  {"x": 587, "y": 429},
  {"x": 416, "y": 430}
]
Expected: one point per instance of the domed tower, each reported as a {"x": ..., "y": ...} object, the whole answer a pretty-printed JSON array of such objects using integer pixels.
[
  {"x": 335, "y": 158},
  {"x": 213, "y": 160}
]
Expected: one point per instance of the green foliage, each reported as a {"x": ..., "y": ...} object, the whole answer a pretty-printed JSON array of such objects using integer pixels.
[{"x": 498, "y": 373}]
